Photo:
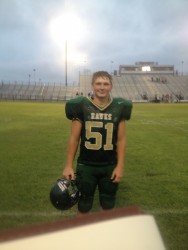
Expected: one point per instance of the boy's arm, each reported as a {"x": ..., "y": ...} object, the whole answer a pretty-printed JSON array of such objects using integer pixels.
[
  {"x": 121, "y": 147},
  {"x": 74, "y": 139}
]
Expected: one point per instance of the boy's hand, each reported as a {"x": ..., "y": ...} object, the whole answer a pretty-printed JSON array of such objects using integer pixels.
[
  {"x": 117, "y": 174},
  {"x": 68, "y": 173}
]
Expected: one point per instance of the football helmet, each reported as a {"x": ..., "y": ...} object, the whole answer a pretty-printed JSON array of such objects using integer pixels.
[{"x": 64, "y": 194}]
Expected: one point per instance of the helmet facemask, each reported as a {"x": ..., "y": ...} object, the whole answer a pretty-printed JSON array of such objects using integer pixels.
[{"x": 64, "y": 194}]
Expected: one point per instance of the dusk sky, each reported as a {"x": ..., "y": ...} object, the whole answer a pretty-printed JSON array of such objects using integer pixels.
[{"x": 100, "y": 35}]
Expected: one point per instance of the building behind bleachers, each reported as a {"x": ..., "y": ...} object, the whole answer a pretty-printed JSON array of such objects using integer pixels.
[
  {"x": 145, "y": 82},
  {"x": 146, "y": 68}
]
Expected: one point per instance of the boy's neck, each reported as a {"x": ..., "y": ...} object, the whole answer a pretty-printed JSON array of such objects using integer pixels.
[{"x": 102, "y": 102}]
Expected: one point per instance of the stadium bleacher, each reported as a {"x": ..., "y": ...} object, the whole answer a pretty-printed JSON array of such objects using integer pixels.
[
  {"x": 31, "y": 92},
  {"x": 137, "y": 86},
  {"x": 141, "y": 88}
]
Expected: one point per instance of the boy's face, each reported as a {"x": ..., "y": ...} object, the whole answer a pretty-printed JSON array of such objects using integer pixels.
[{"x": 102, "y": 87}]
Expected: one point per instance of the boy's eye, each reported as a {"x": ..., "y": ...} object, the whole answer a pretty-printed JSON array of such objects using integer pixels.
[{"x": 102, "y": 83}]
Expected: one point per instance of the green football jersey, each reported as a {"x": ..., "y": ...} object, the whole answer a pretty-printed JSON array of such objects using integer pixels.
[{"x": 98, "y": 143}]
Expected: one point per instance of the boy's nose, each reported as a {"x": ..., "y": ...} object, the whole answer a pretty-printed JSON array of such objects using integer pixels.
[{"x": 102, "y": 85}]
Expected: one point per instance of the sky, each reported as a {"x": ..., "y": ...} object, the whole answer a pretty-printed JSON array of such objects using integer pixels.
[{"x": 37, "y": 37}]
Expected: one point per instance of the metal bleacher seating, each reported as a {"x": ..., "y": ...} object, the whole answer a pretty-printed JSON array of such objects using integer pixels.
[
  {"x": 33, "y": 92},
  {"x": 138, "y": 88},
  {"x": 142, "y": 88}
]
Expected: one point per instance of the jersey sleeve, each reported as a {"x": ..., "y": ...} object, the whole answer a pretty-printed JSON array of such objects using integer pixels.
[
  {"x": 73, "y": 109},
  {"x": 126, "y": 110}
]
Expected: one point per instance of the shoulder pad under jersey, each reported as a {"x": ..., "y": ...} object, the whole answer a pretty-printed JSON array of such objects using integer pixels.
[
  {"x": 73, "y": 108},
  {"x": 126, "y": 107}
]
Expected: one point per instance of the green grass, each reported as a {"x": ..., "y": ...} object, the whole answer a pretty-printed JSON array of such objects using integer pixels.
[{"x": 33, "y": 139}]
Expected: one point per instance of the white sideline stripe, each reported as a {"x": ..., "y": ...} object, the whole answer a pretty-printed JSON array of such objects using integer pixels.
[
  {"x": 166, "y": 122},
  {"x": 35, "y": 214},
  {"x": 167, "y": 211},
  {"x": 51, "y": 214}
]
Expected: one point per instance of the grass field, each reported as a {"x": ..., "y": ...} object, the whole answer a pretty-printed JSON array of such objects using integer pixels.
[{"x": 33, "y": 138}]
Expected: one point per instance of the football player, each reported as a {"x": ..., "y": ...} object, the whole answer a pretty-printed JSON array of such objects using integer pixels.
[{"x": 98, "y": 125}]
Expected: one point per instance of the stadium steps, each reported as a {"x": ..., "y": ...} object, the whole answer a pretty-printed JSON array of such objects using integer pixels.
[
  {"x": 179, "y": 85},
  {"x": 138, "y": 88},
  {"x": 133, "y": 89},
  {"x": 85, "y": 84},
  {"x": 120, "y": 88}
]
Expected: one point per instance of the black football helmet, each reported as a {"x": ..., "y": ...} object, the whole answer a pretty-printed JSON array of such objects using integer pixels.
[{"x": 64, "y": 194}]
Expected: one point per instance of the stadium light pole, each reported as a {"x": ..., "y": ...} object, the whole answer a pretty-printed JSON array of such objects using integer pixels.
[
  {"x": 66, "y": 63},
  {"x": 182, "y": 67},
  {"x": 111, "y": 70},
  {"x": 64, "y": 27},
  {"x": 29, "y": 78},
  {"x": 34, "y": 70}
]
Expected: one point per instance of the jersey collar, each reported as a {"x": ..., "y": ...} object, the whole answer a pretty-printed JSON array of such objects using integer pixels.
[{"x": 98, "y": 106}]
